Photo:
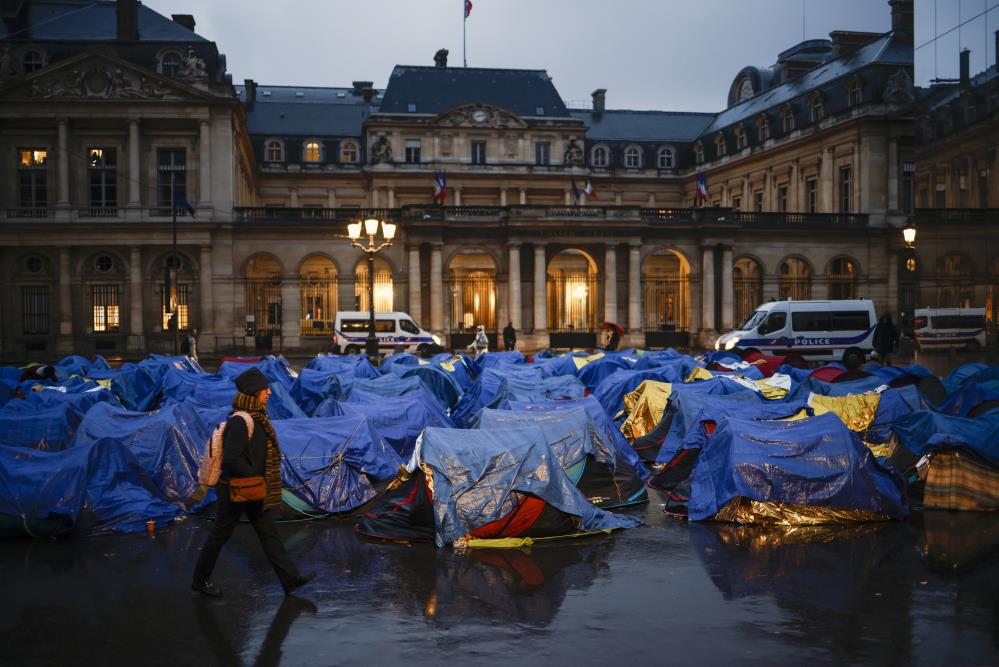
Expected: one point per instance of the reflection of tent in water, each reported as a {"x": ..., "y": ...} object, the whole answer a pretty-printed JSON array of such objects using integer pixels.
[
  {"x": 502, "y": 483},
  {"x": 958, "y": 539},
  {"x": 826, "y": 567}
]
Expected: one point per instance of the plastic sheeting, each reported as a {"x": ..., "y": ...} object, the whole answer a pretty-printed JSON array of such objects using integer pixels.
[
  {"x": 330, "y": 462},
  {"x": 274, "y": 368},
  {"x": 219, "y": 391},
  {"x": 856, "y": 411},
  {"x": 598, "y": 370},
  {"x": 927, "y": 431},
  {"x": 94, "y": 489},
  {"x": 611, "y": 391},
  {"x": 475, "y": 473},
  {"x": 966, "y": 397},
  {"x": 399, "y": 426},
  {"x": 312, "y": 387},
  {"x": 645, "y": 407},
  {"x": 570, "y": 433},
  {"x": 48, "y": 419},
  {"x": 439, "y": 382},
  {"x": 493, "y": 387},
  {"x": 816, "y": 461}
]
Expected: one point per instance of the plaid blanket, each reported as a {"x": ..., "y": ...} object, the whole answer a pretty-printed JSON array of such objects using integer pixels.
[{"x": 958, "y": 481}]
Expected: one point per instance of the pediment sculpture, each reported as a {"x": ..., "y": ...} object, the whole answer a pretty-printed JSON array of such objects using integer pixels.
[
  {"x": 381, "y": 150},
  {"x": 898, "y": 89},
  {"x": 481, "y": 116},
  {"x": 99, "y": 80},
  {"x": 573, "y": 155},
  {"x": 193, "y": 67}
]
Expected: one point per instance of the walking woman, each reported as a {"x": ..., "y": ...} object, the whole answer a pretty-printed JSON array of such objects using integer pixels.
[{"x": 250, "y": 483}]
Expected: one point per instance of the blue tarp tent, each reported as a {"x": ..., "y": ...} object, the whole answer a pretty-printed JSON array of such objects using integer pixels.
[
  {"x": 493, "y": 387},
  {"x": 219, "y": 391},
  {"x": 966, "y": 372},
  {"x": 570, "y": 433},
  {"x": 476, "y": 472},
  {"x": 816, "y": 461},
  {"x": 356, "y": 365},
  {"x": 439, "y": 382},
  {"x": 598, "y": 370},
  {"x": 47, "y": 419},
  {"x": 312, "y": 387},
  {"x": 274, "y": 368},
  {"x": 610, "y": 393},
  {"x": 965, "y": 398},
  {"x": 927, "y": 431},
  {"x": 399, "y": 425}
]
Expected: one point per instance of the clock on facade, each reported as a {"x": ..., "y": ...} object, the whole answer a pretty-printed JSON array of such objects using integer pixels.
[{"x": 480, "y": 116}]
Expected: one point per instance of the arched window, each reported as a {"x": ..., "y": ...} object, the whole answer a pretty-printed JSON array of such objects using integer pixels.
[
  {"x": 955, "y": 286},
  {"x": 170, "y": 64},
  {"x": 598, "y": 156},
  {"x": 698, "y": 152},
  {"x": 32, "y": 61},
  {"x": 633, "y": 157},
  {"x": 471, "y": 286},
  {"x": 262, "y": 277},
  {"x": 384, "y": 288},
  {"x": 666, "y": 158},
  {"x": 275, "y": 151},
  {"x": 794, "y": 280},
  {"x": 666, "y": 292},
  {"x": 720, "y": 146},
  {"x": 348, "y": 152},
  {"x": 312, "y": 151},
  {"x": 815, "y": 107},
  {"x": 573, "y": 293},
  {"x": 763, "y": 127},
  {"x": 317, "y": 283},
  {"x": 787, "y": 118},
  {"x": 854, "y": 92},
  {"x": 741, "y": 140},
  {"x": 747, "y": 288},
  {"x": 842, "y": 279}
]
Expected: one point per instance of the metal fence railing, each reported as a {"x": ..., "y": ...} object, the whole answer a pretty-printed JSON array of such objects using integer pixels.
[
  {"x": 666, "y": 302},
  {"x": 263, "y": 306},
  {"x": 573, "y": 303},
  {"x": 797, "y": 289},
  {"x": 473, "y": 302},
  {"x": 319, "y": 305},
  {"x": 747, "y": 296}
]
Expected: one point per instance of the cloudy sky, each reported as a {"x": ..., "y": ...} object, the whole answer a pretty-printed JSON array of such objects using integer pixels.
[
  {"x": 959, "y": 24},
  {"x": 679, "y": 55}
]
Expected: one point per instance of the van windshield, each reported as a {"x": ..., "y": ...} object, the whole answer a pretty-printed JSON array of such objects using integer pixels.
[{"x": 754, "y": 320}]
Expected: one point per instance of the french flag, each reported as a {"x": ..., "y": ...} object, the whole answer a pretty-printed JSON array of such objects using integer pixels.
[
  {"x": 701, "y": 192},
  {"x": 440, "y": 187},
  {"x": 468, "y": 8},
  {"x": 588, "y": 189}
]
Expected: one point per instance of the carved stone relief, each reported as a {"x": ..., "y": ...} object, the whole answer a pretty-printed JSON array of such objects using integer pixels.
[
  {"x": 447, "y": 143},
  {"x": 381, "y": 150},
  {"x": 898, "y": 88},
  {"x": 193, "y": 68},
  {"x": 99, "y": 81}
]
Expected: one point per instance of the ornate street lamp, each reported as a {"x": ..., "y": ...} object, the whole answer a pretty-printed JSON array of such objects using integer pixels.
[
  {"x": 909, "y": 235},
  {"x": 371, "y": 249}
]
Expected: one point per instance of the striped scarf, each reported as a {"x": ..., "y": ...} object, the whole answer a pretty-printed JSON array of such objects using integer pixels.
[{"x": 272, "y": 469}]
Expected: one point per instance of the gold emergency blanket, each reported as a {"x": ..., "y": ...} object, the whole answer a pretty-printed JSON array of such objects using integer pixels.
[
  {"x": 645, "y": 407},
  {"x": 699, "y": 373},
  {"x": 582, "y": 361},
  {"x": 745, "y": 511},
  {"x": 856, "y": 411}
]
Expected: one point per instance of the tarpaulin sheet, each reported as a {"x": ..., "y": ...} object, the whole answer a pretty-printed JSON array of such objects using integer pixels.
[
  {"x": 396, "y": 360},
  {"x": 813, "y": 386},
  {"x": 439, "y": 382},
  {"x": 493, "y": 387},
  {"x": 895, "y": 403},
  {"x": 475, "y": 473},
  {"x": 47, "y": 419},
  {"x": 167, "y": 444},
  {"x": 963, "y": 373},
  {"x": 389, "y": 386},
  {"x": 597, "y": 415},
  {"x": 668, "y": 357},
  {"x": 556, "y": 366},
  {"x": 77, "y": 365},
  {"x": 610, "y": 393},
  {"x": 312, "y": 387},
  {"x": 966, "y": 397},
  {"x": 275, "y": 369},
  {"x": 219, "y": 391},
  {"x": 90, "y": 490},
  {"x": 597, "y": 371},
  {"x": 357, "y": 365},
  {"x": 927, "y": 431},
  {"x": 856, "y": 411},
  {"x": 329, "y": 462},
  {"x": 460, "y": 370},
  {"x": 399, "y": 425},
  {"x": 491, "y": 359},
  {"x": 816, "y": 461},
  {"x": 889, "y": 373},
  {"x": 570, "y": 433}
]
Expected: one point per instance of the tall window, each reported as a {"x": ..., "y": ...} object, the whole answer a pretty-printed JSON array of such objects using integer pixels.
[
  {"x": 782, "y": 198},
  {"x": 632, "y": 157},
  {"x": 171, "y": 167},
  {"x": 598, "y": 158},
  {"x": 666, "y": 159},
  {"x": 854, "y": 92},
  {"x": 182, "y": 309},
  {"x": 815, "y": 107},
  {"x": 794, "y": 280},
  {"x": 102, "y": 177},
  {"x": 842, "y": 279},
  {"x": 845, "y": 189},
  {"x": 478, "y": 152},
  {"x": 170, "y": 65},
  {"x": 542, "y": 153},
  {"x": 763, "y": 127},
  {"x": 35, "y": 309},
  {"x": 32, "y": 177},
  {"x": 787, "y": 118},
  {"x": 348, "y": 152},
  {"x": 720, "y": 147},
  {"x": 312, "y": 151},
  {"x": 908, "y": 200},
  {"x": 737, "y": 203},
  {"x": 741, "y": 141},
  {"x": 275, "y": 151},
  {"x": 811, "y": 195},
  {"x": 412, "y": 151},
  {"x": 758, "y": 201},
  {"x": 699, "y": 153},
  {"x": 104, "y": 301},
  {"x": 32, "y": 61}
]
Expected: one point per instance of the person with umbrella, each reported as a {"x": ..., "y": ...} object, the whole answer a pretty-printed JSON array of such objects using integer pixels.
[{"x": 613, "y": 333}]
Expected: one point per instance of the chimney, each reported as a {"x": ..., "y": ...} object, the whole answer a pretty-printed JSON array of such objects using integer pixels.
[
  {"x": 901, "y": 15},
  {"x": 965, "y": 68},
  {"x": 251, "y": 92},
  {"x": 359, "y": 86},
  {"x": 599, "y": 100},
  {"x": 368, "y": 94},
  {"x": 440, "y": 58},
  {"x": 185, "y": 20},
  {"x": 128, "y": 20},
  {"x": 845, "y": 42}
]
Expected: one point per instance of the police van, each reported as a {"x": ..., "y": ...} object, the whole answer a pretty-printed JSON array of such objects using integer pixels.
[
  {"x": 350, "y": 331},
  {"x": 817, "y": 330},
  {"x": 949, "y": 328}
]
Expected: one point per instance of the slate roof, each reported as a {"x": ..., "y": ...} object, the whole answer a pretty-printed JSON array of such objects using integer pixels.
[
  {"x": 941, "y": 95},
  {"x": 437, "y": 89},
  {"x": 890, "y": 49},
  {"x": 624, "y": 125},
  {"x": 318, "y": 111},
  {"x": 82, "y": 20}
]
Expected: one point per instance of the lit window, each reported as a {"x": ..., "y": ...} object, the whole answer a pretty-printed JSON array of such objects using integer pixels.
[
  {"x": 170, "y": 65},
  {"x": 632, "y": 157},
  {"x": 182, "y": 309},
  {"x": 32, "y": 177},
  {"x": 102, "y": 176},
  {"x": 348, "y": 152},
  {"x": 275, "y": 151},
  {"x": 666, "y": 158},
  {"x": 312, "y": 152},
  {"x": 104, "y": 305},
  {"x": 32, "y": 61}
]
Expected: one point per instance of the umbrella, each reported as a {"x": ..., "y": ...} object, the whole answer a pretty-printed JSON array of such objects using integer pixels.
[{"x": 614, "y": 327}]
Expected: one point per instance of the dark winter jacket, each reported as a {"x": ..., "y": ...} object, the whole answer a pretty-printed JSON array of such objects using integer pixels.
[
  {"x": 243, "y": 457},
  {"x": 885, "y": 337}
]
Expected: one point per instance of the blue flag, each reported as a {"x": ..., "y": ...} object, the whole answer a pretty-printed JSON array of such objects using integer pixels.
[
  {"x": 575, "y": 190},
  {"x": 180, "y": 202}
]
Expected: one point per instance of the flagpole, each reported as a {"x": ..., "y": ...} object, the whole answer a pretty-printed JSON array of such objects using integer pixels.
[{"x": 464, "y": 34}]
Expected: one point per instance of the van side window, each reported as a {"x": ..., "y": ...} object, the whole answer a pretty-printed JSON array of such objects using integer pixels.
[
  {"x": 361, "y": 326},
  {"x": 855, "y": 320},
  {"x": 408, "y": 327},
  {"x": 811, "y": 321},
  {"x": 774, "y": 322},
  {"x": 958, "y": 321}
]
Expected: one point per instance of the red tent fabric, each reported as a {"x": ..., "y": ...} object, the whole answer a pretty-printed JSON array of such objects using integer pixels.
[
  {"x": 768, "y": 364},
  {"x": 827, "y": 373}
]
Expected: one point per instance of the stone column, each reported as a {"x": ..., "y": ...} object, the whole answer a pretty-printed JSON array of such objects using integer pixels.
[
  {"x": 391, "y": 197},
  {"x": 826, "y": 181},
  {"x": 893, "y": 305},
  {"x": 540, "y": 290},
  {"x": 204, "y": 166},
  {"x": 855, "y": 184},
  {"x": 291, "y": 312},
  {"x": 415, "y": 288},
  {"x": 708, "y": 289},
  {"x": 893, "y": 204},
  {"x": 610, "y": 283},
  {"x": 523, "y": 196},
  {"x": 206, "y": 289},
  {"x": 134, "y": 342},
  {"x": 134, "y": 176},
  {"x": 65, "y": 343},
  {"x": 728, "y": 296},
  {"x": 794, "y": 205},
  {"x": 502, "y": 197},
  {"x": 63, "y": 162},
  {"x": 635, "y": 287},
  {"x": 747, "y": 196},
  {"x": 514, "y": 289},
  {"x": 436, "y": 289},
  {"x": 457, "y": 196}
]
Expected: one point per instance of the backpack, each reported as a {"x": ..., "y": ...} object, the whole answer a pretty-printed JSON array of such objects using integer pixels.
[{"x": 210, "y": 468}]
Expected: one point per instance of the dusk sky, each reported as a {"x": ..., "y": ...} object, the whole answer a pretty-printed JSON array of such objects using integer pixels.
[
  {"x": 939, "y": 58},
  {"x": 674, "y": 55}
]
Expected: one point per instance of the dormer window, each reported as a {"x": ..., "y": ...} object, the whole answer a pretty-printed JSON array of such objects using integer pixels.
[
  {"x": 666, "y": 158},
  {"x": 787, "y": 118},
  {"x": 763, "y": 128},
  {"x": 598, "y": 157},
  {"x": 699, "y": 153},
  {"x": 275, "y": 151},
  {"x": 720, "y": 147},
  {"x": 312, "y": 151},
  {"x": 32, "y": 61},
  {"x": 741, "y": 140},
  {"x": 170, "y": 64},
  {"x": 633, "y": 157},
  {"x": 854, "y": 92},
  {"x": 815, "y": 108},
  {"x": 348, "y": 152}
]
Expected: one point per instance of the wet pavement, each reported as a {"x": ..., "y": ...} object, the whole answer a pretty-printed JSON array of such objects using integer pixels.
[{"x": 922, "y": 592}]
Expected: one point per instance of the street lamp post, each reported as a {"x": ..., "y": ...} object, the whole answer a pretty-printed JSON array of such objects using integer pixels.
[{"x": 371, "y": 248}]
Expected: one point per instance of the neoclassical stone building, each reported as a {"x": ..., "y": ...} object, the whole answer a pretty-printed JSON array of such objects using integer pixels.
[{"x": 809, "y": 172}]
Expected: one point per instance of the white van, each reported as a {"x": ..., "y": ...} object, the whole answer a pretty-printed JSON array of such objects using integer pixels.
[
  {"x": 949, "y": 328},
  {"x": 350, "y": 331},
  {"x": 817, "y": 330}
]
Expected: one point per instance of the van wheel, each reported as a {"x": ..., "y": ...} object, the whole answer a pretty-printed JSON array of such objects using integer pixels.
[
  {"x": 352, "y": 349},
  {"x": 853, "y": 358}
]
